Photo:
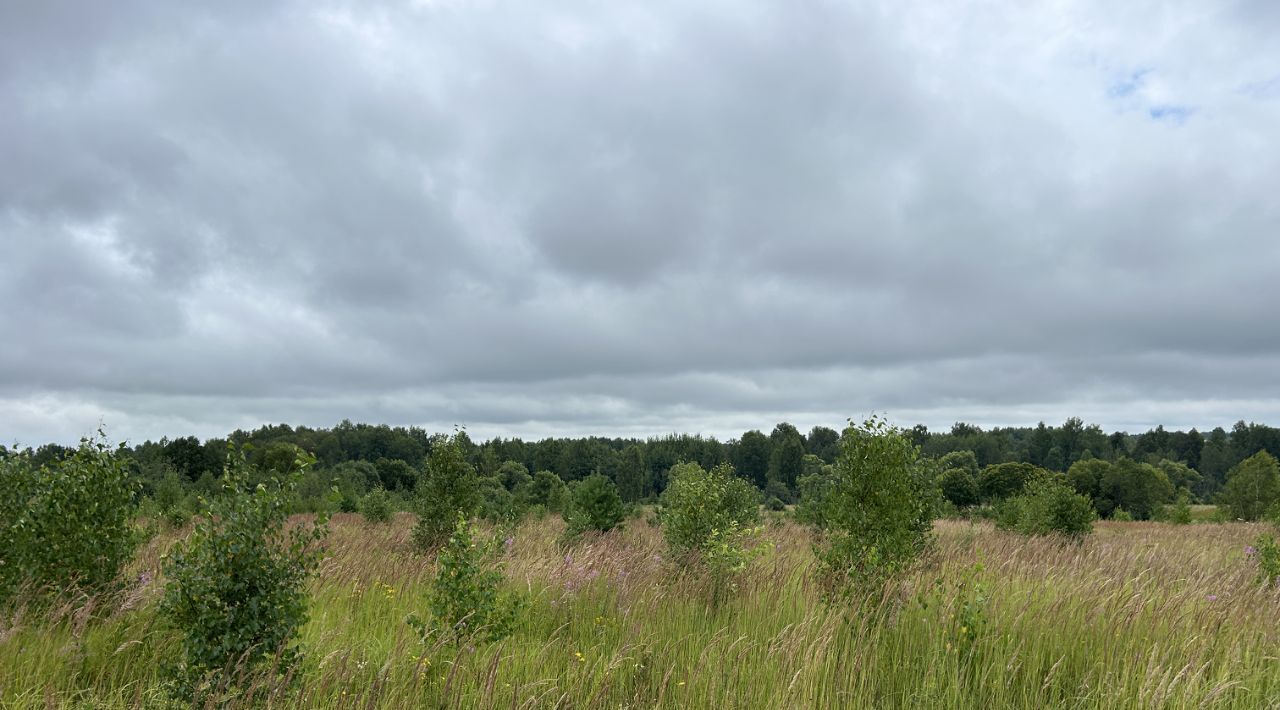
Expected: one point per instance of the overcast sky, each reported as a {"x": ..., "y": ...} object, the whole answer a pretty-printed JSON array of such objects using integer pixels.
[{"x": 562, "y": 217}]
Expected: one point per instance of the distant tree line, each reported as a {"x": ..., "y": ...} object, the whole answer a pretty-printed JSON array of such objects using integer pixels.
[{"x": 362, "y": 457}]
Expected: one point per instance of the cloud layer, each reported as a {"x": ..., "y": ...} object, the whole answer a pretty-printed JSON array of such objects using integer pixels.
[{"x": 569, "y": 217}]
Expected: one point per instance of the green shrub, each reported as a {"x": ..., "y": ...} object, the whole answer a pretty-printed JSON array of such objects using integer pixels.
[
  {"x": 237, "y": 587},
  {"x": 513, "y": 476},
  {"x": 1267, "y": 554},
  {"x": 1048, "y": 506},
  {"x": 448, "y": 486},
  {"x": 465, "y": 600},
  {"x": 169, "y": 492},
  {"x": 67, "y": 523},
  {"x": 1180, "y": 512},
  {"x": 177, "y": 516},
  {"x": 1139, "y": 488},
  {"x": 499, "y": 505},
  {"x": 775, "y": 504},
  {"x": 376, "y": 506},
  {"x": 814, "y": 488},
  {"x": 876, "y": 513},
  {"x": 697, "y": 501},
  {"x": 777, "y": 489},
  {"x": 705, "y": 518},
  {"x": 594, "y": 504},
  {"x": 947, "y": 510},
  {"x": 335, "y": 489},
  {"x": 959, "y": 487},
  {"x": 1120, "y": 515},
  {"x": 965, "y": 597},
  {"x": 546, "y": 490},
  {"x": 1005, "y": 480}
]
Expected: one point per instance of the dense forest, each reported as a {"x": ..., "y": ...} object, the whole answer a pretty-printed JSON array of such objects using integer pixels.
[{"x": 361, "y": 457}]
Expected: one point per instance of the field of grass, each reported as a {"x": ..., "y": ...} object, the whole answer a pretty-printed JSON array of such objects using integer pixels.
[{"x": 1142, "y": 615}]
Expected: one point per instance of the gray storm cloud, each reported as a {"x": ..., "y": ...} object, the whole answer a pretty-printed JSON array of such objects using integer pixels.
[{"x": 568, "y": 218}]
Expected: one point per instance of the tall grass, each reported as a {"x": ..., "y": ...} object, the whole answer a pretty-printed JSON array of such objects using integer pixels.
[{"x": 1139, "y": 615}]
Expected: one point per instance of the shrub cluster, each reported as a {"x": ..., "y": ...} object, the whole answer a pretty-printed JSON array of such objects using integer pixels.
[
  {"x": 706, "y": 516},
  {"x": 67, "y": 523},
  {"x": 1180, "y": 512},
  {"x": 697, "y": 501},
  {"x": 376, "y": 506},
  {"x": 236, "y": 590},
  {"x": 465, "y": 600},
  {"x": 876, "y": 510},
  {"x": 448, "y": 486},
  {"x": 1047, "y": 506},
  {"x": 594, "y": 504}
]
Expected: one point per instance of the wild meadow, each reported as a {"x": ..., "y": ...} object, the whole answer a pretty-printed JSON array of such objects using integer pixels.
[
  {"x": 1138, "y": 614},
  {"x": 896, "y": 581}
]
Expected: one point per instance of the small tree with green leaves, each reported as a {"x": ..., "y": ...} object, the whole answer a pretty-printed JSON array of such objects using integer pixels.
[
  {"x": 1180, "y": 514},
  {"x": 876, "y": 513},
  {"x": 776, "y": 489},
  {"x": 1005, "y": 480},
  {"x": 547, "y": 490},
  {"x": 448, "y": 486},
  {"x": 697, "y": 501},
  {"x": 499, "y": 505},
  {"x": 706, "y": 517},
  {"x": 814, "y": 490},
  {"x": 466, "y": 602},
  {"x": 1253, "y": 486},
  {"x": 169, "y": 494},
  {"x": 236, "y": 589},
  {"x": 959, "y": 487},
  {"x": 67, "y": 523},
  {"x": 594, "y": 504},
  {"x": 376, "y": 506}
]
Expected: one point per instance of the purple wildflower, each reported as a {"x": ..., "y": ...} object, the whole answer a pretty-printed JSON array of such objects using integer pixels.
[
  {"x": 1250, "y": 550},
  {"x": 1212, "y": 597},
  {"x": 508, "y": 543}
]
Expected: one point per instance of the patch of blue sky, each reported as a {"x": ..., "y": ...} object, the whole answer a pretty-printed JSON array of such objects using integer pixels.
[
  {"x": 1170, "y": 113},
  {"x": 1265, "y": 89},
  {"x": 1128, "y": 85}
]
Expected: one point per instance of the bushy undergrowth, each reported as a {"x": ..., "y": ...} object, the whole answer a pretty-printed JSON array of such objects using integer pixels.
[
  {"x": 594, "y": 504},
  {"x": 68, "y": 523},
  {"x": 1144, "y": 615},
  {"x": 546, "y": 490},
  {"x": 448, "y": 486},
  {"x": 876, "y": 510},
  {"x": 706, "y": 517},
  {"x": 236, "y": 590},
  {"x": 376, "y": 506},
  {"x": 1267, "y": 554},
  {"x": 1047, "y": 506},
  {"x": 1180, "y": 512},
  {"x": 466, "y": 599}
]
